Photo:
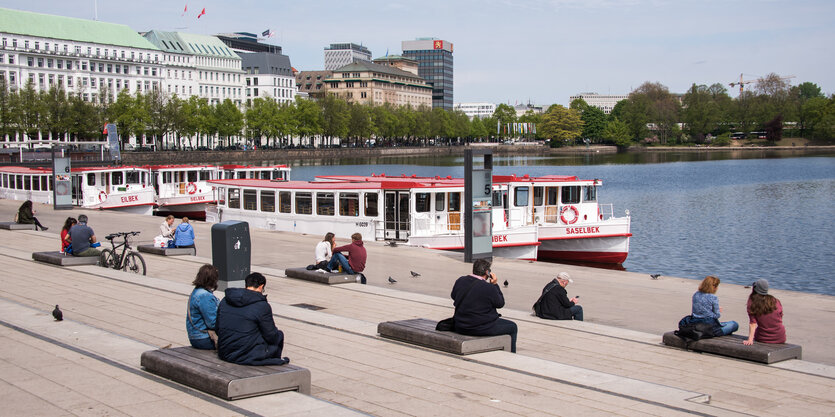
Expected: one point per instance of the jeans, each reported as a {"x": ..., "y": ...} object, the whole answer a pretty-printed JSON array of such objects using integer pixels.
[
  {"x": 88, "y": 252},
  {"x": 338, "y": 259},
  {"x": 501, "y": 327},
  {"x": 577, "y": 312},
  {"x": 729, "y": 327},
  {"x": 205, "y": 344}
]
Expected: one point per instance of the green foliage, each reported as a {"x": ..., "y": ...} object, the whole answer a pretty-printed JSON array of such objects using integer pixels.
[
  {"x": 479, "y": 131},
  {"x": 721, "y": 140},
  {"x": 617, "y": 133},
  {"x": 561, "y": 125}
]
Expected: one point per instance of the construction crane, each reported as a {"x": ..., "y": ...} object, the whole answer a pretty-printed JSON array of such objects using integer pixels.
[{"x": 742, "y": 82}]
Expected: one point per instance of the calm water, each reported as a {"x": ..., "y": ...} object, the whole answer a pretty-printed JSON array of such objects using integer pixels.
[{"x": 771, "y": 216}]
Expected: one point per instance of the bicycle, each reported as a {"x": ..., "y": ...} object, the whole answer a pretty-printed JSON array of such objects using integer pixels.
[{"x": 128, "y": 260}]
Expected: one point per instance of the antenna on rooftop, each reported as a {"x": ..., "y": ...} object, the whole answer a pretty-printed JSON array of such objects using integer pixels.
[{"x": 95, "y": 10}]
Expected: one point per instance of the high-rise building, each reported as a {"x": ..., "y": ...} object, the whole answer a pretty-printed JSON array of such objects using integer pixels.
[
  {"x": 434, "y": 57},
  {"x": 341, "y": 54},
  {"x": 268, "y": 73}
]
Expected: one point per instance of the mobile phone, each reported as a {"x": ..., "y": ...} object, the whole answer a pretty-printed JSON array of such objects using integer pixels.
[{"x": 576, "y": 296}]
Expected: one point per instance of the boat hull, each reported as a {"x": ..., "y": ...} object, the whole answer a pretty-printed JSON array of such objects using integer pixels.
[
  {"x": 601, "y": 242},
  {"x": 520, "y": 243}
]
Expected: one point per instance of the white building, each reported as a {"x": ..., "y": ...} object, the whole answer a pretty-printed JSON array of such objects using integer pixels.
[
  {"x": 602, "y": 102},
  {"x": 338, "y": 55},
  {"x": 267, "y": 71},
  {"x": 480, "y": 110},
  {"x": 84, "y": 57}
]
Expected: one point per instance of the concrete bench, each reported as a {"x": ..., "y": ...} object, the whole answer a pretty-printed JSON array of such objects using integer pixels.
[
  {"x": 732, "y": 346},
  {"x": 16, "y": 226},
  {"x": 156, "y": 250},
  {"x": 203, "y": 370},
  {"x": 62, "y": 259},
  {"x": 422, "y": 332},
  {"x": 315, "y": 275}
]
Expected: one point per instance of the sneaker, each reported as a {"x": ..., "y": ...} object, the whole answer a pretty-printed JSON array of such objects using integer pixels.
[
  {"x": 361, "y": 279},
  {"x": 44, "y": 228}
]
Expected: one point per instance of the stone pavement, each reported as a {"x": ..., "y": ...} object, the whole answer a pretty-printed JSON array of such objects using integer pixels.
[{"x": 89, "y": 364}]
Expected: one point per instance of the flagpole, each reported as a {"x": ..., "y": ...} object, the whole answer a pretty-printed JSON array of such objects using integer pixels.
[{"x": 95, "y": 10}]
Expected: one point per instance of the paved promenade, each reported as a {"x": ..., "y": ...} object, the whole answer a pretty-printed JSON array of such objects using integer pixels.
[{"x": 612, "y": 364}]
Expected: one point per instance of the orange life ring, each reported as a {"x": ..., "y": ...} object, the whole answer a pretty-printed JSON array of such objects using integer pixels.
[
  {"x": 576, "y": 214},
  {"x": 191, "y": 188},
  {"x": 102, "y": 196}
]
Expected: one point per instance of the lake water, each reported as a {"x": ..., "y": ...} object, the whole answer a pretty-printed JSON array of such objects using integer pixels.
[{"x": 693, "y": 214}]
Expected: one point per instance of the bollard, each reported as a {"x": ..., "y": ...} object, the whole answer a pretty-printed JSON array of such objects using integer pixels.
[{"x": 231, "y": 253}]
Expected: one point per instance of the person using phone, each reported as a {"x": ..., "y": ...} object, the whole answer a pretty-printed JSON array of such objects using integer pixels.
[{"x": 554, "y": 303}]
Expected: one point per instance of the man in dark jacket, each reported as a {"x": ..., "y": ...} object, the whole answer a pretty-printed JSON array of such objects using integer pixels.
[
  {"x": 476, "y": 298},
  {"x": 246, "y": 332},
  {"x": 555, "y": 304},
  {"x": 355, "y": 262}
]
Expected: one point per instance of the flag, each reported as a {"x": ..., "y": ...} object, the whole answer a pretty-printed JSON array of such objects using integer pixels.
[
  {"x": 268, "y": 33},
  {"x": 104, "y": 132},
  {"x": 185, "y": 10},
  {"x": 202, "y": 12},
  {"x": 498, "y": 127}
]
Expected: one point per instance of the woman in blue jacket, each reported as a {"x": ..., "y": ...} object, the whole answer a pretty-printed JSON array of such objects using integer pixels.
[
  {"x": 201, "y": 318},
  {"x": 184, "y": 235}
]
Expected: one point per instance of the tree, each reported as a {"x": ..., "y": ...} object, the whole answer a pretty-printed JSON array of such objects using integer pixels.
[
  {"x": 479, "y": 131},
  {"x": 28, "y": 110},
  {"x": 56, "y": 115},
  {"x": 161, "y": 113},
  {"x": 230, "y": 120},
  {"x": 440, "y": 124},
  {"x": 617, "y": 133},
  {"x": 504, "y": 114},
  {"x": 774, "y": 129},
  {"x": 594, "y": 123},
  {"x": 308, "y": 118},
  {"x": 6, "y": 113},
  {"x": 701, "y": 113},
  {"x": 130, "y": 114},
  {"x": 186, "y": 120},
  {"x": 85, "y": 119},
  {"x": 535, "y": 119},
  {"x": 660, "y": 107},
  {"x": 360, "y": 123},
  {"x": 561, "y": 125},
  {"x": 336, "y": 117},
  {"x": 461, "y": 127}
]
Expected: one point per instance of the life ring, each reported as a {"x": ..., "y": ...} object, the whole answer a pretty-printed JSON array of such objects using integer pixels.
[
  {"x": 574, "y": 219},
  {"x": 102, "y": 196},
  {"x": 191, "y": 188}
]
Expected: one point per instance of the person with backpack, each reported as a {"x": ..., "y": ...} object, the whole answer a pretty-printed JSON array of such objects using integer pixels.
[
  {"x": 706, "y": 306},
  {"x": 554, "y": 303}
]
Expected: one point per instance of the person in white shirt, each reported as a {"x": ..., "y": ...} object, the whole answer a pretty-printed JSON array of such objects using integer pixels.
[
  {"x": 165, "y": 229},
  {"x": 324, "y": 251}
]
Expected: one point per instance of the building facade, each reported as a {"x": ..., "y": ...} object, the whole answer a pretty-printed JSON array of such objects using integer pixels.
[
  {"x": 366, "y": 82},
  {"x": 88, "y": 58},
  {"x": 338, "y": 55},
  {"x": 435, "y": 65},
  {"x": 312, "y": 83},
  {"x": 602, "y": 102},
  {"x": 268, "y": 73},
  {"x": 480, "y": 110}
]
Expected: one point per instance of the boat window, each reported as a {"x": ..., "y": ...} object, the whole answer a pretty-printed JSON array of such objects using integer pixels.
[
  {"x": 422, "y": 202},
  {"x": 5, "y": 180},
  {"x": 520, "y": 196},
  {"x": 27, "y": 181},
  {"x": 205, "y": 175},
  {"x": 117, "y": 178},
  {"x": 221, "y": 196},
  {"x": 304, "y": 203},
  {"x": 440, "y": 201},
  {"x": 551, "y": 195},
  {"x": 144, "y": 178},
  {"x": 265, "y": 175},
  {"x": 241, "y": 175},
  {"x": 371, "y": 204},
  {"x": 268, "y": 201},
  {"x": 571, "y": 194},
  {"x": 132, "y": 177},
  {"x": 191, "y": 175},
  {"x": 497, "y": 198},
  {"x": 250, "y": 200},
  {"x": 349, "y": 204},
  {"x": 285, "y": 204},
  {"x": 454, "y": 201},
  {"x": 324, "y": 204},
  {"x": 166, "y": 177},
  {"x": 234, "y": 198},
  {"x": 591, "y": 193},
  {"x": 537, "y": 196},
  {"x": 278, "y": 175},
  {"x": 91, "y": 179},
  {"x": 36, "y": 183},
  {"x": 45, "y": 182}
]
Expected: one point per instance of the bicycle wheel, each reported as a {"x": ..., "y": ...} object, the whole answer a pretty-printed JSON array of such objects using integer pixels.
[
  {"x": 106, "y": 258},
  {"x": 134, "y": 263}
]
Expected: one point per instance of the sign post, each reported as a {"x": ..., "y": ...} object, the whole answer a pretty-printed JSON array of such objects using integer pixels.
[{"x": 478, "y": 206}]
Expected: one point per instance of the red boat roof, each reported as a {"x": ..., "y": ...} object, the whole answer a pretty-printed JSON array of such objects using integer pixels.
[
  {"x": 178, "y": 166},
  {"x": 387, "y": 184},
  {"x": 44, "y": 170},
  {"x": 232, "y": 166}
]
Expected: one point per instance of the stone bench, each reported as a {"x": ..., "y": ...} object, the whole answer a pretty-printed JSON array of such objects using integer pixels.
[
  {"x": 16, "y": 226},
  {"x": 204, "y": 371},
  {"x": 315, "y": 275},
  {"x": 732, "y": 346},
  {"x": 62, "y": 259},
  {"x": 422, "y": 332},
  {"x": 156, "y": 250}
]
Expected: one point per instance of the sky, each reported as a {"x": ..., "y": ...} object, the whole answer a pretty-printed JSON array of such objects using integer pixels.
[{"x": 520, "y": 51}]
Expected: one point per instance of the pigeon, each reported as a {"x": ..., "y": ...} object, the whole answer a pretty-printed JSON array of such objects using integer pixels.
[
  {"x": 414, "y": 274},
  {"x": 57, "y": 313},
  {"x": 655, "y": 276},
  {"x": 392, "y": 243},
  {"x": 392, "y": 280},
  {"x": 505, "y": 283}
]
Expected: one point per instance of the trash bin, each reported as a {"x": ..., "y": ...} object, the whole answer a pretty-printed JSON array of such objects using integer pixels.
[{"x": 231, "y": 253}]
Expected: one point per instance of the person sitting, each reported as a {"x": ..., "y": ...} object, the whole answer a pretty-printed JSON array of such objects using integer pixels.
[
  {"x": 476, "y": 298},
  {"x": 26, "y": 215},
  {"x": 202, "y": 309},
  {"x": 83, "y": 237},
  {"x": 165, "y": 229},
  {"x": 246, "y": 332},
  {"x": 184, "y": 235},
  {"x": 324, "y": 251},
  {"x": 355, "y": 262},
  {"x": 765, "y": 316},
  {"x": 65, "y": 234},
  {"x": 706, "y": 306},
  {"x": 554, "y": 303}
]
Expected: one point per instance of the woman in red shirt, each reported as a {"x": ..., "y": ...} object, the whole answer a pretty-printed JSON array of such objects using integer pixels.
[
  {"x": 765, "y": 316},
  {"x": 65, "y": 233}
]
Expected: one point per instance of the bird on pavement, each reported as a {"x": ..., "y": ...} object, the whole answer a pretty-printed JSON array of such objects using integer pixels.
[
  {"x": 392, "y": 280},
  {"x": 505, "y": 283},
  {"x": 414, "y": 274},
  {"x": 57, "y": 313},
  {"x": 655, "y": 276},
  {"x": 392, "y": 243}
]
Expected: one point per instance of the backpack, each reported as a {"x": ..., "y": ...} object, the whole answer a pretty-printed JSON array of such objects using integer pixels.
[{"x": 693, "y": 329}]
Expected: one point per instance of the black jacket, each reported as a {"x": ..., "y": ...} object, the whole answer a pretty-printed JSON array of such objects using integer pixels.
[
  {"x": 246, "y": 331},
  {"x": 477, "y": 310},
  {"x": 555, "y": 305}
]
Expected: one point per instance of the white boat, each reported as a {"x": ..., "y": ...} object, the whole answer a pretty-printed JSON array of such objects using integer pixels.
[
  {"x": 123, "y": 188},
  {"x": 267, "y": 172},
  {"x": 184, "y": 190},
  {"x": 423, "y": 211}
]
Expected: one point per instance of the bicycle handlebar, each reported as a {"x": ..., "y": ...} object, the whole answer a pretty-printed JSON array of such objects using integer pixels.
[{"x": 118, "y": 234}]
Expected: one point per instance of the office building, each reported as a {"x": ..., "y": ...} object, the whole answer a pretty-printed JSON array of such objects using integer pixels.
[
  {"x": 480, "y": 110},
  {"x": 602, "y": 102},
  {"x": 367, "y": 82},
  {"x": 338, "y": 55},
  {"x": 434, "y": 57},
  {"x": 268, "y": 73}
]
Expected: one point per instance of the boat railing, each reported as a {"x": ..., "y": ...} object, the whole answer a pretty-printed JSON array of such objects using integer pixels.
[{"x": 607, "y": 211}]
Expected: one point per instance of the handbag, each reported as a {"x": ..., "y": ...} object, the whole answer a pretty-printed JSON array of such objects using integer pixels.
[
  {"x": 448, "y": 325},
  {"x": 537, "y": 306},
  {"x": 212, "y": 334}
]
